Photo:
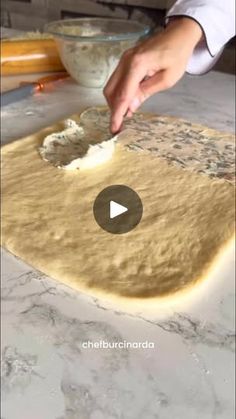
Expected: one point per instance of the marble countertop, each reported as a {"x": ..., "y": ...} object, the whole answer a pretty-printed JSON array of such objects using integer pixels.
[{"x": 46, "y": 372}]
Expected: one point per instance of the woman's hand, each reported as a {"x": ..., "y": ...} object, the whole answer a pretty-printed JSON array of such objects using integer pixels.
[{"x": 150, "y": 67}]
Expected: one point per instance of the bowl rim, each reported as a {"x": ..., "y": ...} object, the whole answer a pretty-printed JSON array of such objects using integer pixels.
[{"x": 144, "y": 30}]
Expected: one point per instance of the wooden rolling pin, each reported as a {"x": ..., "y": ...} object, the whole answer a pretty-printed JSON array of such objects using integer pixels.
[{"x": 30, "y": 56}]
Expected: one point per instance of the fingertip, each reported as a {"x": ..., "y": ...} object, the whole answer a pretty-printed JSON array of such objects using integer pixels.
[
  {"x": 114, "y": 128},
  {"x": 116, "y": 123}
]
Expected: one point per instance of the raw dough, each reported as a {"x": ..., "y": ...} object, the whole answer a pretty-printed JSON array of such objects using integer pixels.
[{"x": 48, "y": 221}]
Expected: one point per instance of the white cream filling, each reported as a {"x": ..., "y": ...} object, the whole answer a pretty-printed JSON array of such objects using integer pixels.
[
  {"x": 69, "y": 149},
  {"x": 96, "y": 155}
]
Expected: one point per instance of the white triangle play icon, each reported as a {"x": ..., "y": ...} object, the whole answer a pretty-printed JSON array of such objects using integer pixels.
[{"x": 116, "y": 209}]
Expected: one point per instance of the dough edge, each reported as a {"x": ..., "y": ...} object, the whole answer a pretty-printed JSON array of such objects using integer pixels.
[{"x": 190, "y": 292}]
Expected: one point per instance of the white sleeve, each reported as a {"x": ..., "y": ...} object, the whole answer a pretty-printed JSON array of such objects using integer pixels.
[{"x": 217, "y": 20}]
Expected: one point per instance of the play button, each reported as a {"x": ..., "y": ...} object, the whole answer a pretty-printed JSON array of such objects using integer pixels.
[{"x": 118, "y": 209}]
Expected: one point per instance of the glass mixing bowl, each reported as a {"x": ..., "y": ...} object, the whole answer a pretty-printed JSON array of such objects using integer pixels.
[{"x": 90, "y": 48}]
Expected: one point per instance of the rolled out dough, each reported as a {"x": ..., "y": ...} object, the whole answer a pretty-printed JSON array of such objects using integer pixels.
[{"x": 48, "y": 221}]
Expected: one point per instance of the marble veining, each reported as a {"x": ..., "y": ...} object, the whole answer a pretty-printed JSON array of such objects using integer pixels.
[
  {"x": 46, "y": 325},
  {"x": 195, "y": 331}
]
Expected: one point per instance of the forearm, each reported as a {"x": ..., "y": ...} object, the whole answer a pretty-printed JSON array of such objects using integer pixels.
[{"x": 184, "y": 33}]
